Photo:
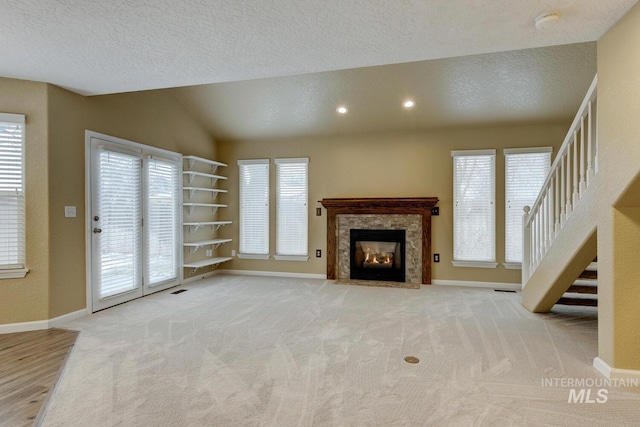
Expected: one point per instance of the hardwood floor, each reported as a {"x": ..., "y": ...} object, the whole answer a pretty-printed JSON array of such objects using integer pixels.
[{"x": 30, "y": 363}]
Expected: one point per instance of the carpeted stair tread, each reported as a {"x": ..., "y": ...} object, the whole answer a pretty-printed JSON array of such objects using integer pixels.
[{"x": 586, "y": 302}]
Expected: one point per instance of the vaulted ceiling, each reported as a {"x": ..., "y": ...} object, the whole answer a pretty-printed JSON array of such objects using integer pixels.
[{"x": 277, "y": 68}]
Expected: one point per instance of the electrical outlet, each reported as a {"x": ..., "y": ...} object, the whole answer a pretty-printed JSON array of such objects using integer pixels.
[
  {"x": 318, "y": 253},
  {"x": 436, "y": 257},
  {"x": 318, "y": 211},
  {"x": 209, "y": 252},
  {"x": 233, "y": 252},
  {"x": 435, "y": 211}
]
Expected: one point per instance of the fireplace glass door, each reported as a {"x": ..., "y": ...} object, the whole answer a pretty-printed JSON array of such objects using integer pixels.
[{"x": 377, "y": 255}]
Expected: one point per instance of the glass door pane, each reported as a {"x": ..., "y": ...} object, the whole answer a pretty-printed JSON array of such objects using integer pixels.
[
  {"x": 116, "y": 227},
  {"x": 161, "y": 223}
]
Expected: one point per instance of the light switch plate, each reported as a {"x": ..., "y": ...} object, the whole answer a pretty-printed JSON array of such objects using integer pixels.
[{"x": 69, "y": 211}]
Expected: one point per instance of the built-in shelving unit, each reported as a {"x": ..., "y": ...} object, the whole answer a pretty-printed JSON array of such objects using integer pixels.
[{"x": 200, "y": 209}]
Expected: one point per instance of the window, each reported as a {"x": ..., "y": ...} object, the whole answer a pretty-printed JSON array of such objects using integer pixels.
[
  {"x": 254, "y": 208},
  {"x": 474, "y": 242},
  {"x": 526, "y": 170},
  {"x": 12, "y": 214},
  {"x": 292, "y": 211}
]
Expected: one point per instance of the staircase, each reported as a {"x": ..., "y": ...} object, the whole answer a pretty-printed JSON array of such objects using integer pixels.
[
  {"x": 559, "y": 230},
  {"x": 584, "y": 291}
]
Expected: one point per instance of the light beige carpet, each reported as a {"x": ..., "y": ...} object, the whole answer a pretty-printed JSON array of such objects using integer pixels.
[{"x": 250, "y": 351}]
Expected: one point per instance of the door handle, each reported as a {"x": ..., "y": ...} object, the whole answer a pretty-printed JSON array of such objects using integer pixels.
[{"x": 97, "y": 230}]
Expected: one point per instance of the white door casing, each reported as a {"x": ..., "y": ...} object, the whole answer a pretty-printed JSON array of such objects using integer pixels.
[{"x": 133, "y": 218}]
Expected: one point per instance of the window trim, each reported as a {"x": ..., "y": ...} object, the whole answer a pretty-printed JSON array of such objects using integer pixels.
[
  {"x": 252, "y": 256},
  {"x": 527, "y": 150},
  {"x": 20, "y": 270},
  {"x": 291, "y": 257},
  {"x": 475, "y": 264},
  {"x": 13, "y": 273}
]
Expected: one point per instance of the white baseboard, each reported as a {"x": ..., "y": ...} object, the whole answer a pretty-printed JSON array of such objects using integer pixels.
[
  {"x": 273, "y": 274},
  {"x": 488, "y": 285},
  {"x": 39, "y": 325},
  {"x": 199, "y": 277},
  {"x": 611, "y": 373},
  {"x": 24, "y": 326},
  {"x": 61, "y": 320}
]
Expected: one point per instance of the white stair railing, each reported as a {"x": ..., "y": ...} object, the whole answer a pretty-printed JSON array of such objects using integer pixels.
[{"x": 572, "y": 171}]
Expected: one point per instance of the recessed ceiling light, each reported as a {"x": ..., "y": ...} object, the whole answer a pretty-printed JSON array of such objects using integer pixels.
[
  {"x": 409, "y": 103},
  {"x": 342, "y": 109},
  {"x": 546, "y": 19}
]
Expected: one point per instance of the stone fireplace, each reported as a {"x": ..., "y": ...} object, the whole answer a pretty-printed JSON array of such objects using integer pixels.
[{"x": 409, "y": 216}]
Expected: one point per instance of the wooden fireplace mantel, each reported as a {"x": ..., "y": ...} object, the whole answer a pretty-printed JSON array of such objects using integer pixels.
[{"x": 394, "y": 206}]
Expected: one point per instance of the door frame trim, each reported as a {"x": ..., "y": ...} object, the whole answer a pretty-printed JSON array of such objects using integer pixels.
[{"x": 88, "y": 198}]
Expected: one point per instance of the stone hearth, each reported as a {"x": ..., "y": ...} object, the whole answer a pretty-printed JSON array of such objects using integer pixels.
[{"x": 413, "y": 246}]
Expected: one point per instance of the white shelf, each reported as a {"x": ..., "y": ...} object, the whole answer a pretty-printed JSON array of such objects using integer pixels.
[
  {"x": 207, "y": 262},
  {"x": 201, "y": 224},
  {"x": 192, "y": 174},
  {"x": 213, "y": 190},
  {"x": 207, "y": 242},
  {"x": 191, "y": 206},
  {"x": 215, "y": 225},
  {"x": 214, "y": 243},
  {"x": 201, "y": 160}
]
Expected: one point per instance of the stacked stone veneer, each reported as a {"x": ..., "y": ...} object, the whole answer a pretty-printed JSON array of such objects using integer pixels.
[{"x": 413, "y": 246}]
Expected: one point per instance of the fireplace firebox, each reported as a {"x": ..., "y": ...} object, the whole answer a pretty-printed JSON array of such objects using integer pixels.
[{"x": 377, "y": 255}]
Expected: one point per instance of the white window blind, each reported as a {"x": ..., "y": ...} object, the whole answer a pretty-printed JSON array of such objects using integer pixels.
[
  {"x": 12, "y": 212},
  {"x": 474, "y": 207},
  {"x": 162, "y": 220},
  {"x": 119, "y": 206},
  {"x": 292, "y": 207},
  {"x": 254, "y": 207},
  {"x": 525, "y": 172}
]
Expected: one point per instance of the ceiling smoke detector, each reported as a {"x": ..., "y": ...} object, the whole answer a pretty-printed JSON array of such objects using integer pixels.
[{"x": 546, "y": 20}]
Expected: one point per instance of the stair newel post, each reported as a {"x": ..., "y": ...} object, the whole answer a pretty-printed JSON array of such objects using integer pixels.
[
  {"x": 534, "y": 240},
  {"x": 526, "y": 245},
  {"x": 583, "y": 182},
  {"x": 576, "y": 194},
  {"x": 561, "y": 192},
  {"x": 556, "y": 202},
  {"x": 549, "y": 217},
  {"x": 568, "y": 189},
  {"x": 551, "y": 223},
  {"x": 595, "y": 145},
  {"x": 589, "y": 144},
  {"x": 543, "y": 226}
]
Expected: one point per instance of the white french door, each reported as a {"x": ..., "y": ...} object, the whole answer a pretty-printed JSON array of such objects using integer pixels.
[{"x": 133, "y": 220}]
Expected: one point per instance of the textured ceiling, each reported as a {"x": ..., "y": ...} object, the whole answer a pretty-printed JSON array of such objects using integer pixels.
[
  {"x": 524, "y": 86},
  {"x": 279, "y": 68},
  {"x": 108, "y": 46}
]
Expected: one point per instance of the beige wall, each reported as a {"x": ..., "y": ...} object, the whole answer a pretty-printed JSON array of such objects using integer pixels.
[
  {"x": 384, "y": 165},
  {"x": 24, "y": 300},
  {"x": 619, "y": 193},
  {"x": 153, "y": 118},
  {"x": 56, "y": 124}
]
